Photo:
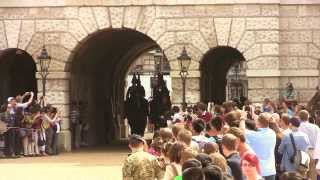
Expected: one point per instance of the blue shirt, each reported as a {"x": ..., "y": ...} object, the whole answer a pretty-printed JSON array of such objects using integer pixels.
[
  {"x": 263, "y": 143},
  {"x": 290, "y": 113},
  {"x": 286, "y": 148}
]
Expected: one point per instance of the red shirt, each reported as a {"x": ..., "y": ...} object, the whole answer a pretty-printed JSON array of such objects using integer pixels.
[
  {"x": 37, "y": 123},
  {"x": 206, "y": 116}
]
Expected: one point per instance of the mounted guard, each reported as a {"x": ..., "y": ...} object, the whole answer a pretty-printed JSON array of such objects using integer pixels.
[
  {"x": 160, "y": 105},
  {"x": 136, "y": 107}
]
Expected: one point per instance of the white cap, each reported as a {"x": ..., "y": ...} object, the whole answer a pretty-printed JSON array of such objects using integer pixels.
[{"x": 9, "y": 99}]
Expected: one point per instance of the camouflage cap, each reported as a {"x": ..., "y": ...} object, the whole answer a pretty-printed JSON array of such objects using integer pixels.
[{"x": 134, "y": 139}]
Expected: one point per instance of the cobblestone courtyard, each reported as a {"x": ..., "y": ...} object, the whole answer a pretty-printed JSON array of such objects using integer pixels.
[{"x": 87, "y": 164}]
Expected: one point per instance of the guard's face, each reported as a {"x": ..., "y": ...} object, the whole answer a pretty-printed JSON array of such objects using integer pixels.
[
  {"x": 13, "y": 102},
  {"x": 9, "y": 107}
]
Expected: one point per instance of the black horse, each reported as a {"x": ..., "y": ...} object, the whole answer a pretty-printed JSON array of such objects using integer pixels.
[
  {"x": 160, "y": 105},
  {"x": 136, "y": 107}
]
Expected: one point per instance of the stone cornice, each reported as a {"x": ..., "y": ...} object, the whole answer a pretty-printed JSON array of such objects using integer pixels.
[
  {"x": 284, "y": 73},
  {"x": 55, "y": 3}
]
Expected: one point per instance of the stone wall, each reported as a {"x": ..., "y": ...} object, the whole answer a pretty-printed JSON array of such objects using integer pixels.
[
  {"x": 279, "y": 42},
  {"x": 299, "y": 48},
  {"x": 54, "y": 3}
]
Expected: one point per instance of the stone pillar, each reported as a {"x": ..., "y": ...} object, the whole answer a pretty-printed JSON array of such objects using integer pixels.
[
  {"x": 192, "y": 87},
  {"x": 57, "y": 92}
]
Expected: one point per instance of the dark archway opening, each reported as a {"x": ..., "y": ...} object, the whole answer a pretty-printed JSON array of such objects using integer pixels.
[
  {"x": 98, "y": 71},
  {"x": 17, "y": 73},
  {"x": 214, "y": 68}
]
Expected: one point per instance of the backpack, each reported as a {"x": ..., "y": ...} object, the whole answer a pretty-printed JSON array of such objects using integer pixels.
[{"x": 299, "y": 159}]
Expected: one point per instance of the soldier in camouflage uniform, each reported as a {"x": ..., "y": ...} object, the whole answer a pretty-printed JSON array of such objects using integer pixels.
[{"x": 140, "y": 165}]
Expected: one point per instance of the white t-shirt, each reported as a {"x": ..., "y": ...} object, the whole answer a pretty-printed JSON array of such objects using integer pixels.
[
  {"x": 311, "y": 130},
  {"x": 177, "y": 117}
]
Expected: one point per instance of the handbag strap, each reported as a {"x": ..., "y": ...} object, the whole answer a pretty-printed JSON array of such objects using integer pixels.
[{"x": 293, "y": 144}]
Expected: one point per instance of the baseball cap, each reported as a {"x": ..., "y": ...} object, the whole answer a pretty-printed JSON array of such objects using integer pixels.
[
  {"x": 134, "y": 139},
  {"x": 10, "y": 99}
]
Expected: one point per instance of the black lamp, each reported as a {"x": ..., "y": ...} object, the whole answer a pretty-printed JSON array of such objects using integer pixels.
[
  {"x": 44, "y": 60},
  {"x": 184, "y": 61}
]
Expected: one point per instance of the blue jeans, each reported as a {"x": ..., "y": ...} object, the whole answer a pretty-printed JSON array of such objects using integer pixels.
[{"x": 272, "y": 177}]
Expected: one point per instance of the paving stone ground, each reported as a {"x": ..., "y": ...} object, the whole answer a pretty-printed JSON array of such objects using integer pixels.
[{"x": 86, "y": 164}]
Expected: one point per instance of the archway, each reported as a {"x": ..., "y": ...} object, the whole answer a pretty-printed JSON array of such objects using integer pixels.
[
  {"x": 99, "y": 67},
  {"x": 17, "y": 73},
  {"x": 214, "y": 68}
]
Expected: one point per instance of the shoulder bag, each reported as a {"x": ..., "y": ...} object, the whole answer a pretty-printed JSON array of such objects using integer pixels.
[{"x": 300, "y": 159}]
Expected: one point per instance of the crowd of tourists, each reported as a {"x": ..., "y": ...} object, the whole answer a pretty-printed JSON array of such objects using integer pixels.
[
  {"x": 28, "y": 127},
  {"x": 253, "y": 141}
]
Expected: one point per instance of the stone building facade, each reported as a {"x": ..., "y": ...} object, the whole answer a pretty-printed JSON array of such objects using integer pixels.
[{"x": 279, "y": 39}]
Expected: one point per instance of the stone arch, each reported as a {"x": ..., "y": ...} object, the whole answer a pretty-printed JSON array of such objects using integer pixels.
[
  {"x": 203, "y": 34},
  {"x": 96, "y": 19},
  {"x": 63, "y": 36},
  {"x": 31, "y": 35},
  {"x": 233, "y": 32},
  {"x": 238, "y": 33},
  {"x": 98, "y": 67},
  {"x": 17, "y": 34},
  {"x": 251, "y": 37},
  {"x": 17, "y": 73},
  {"x": 215, "y": 65},
  {"x": 213, "y": 32},
  {"x": 198, "y": 34}
]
